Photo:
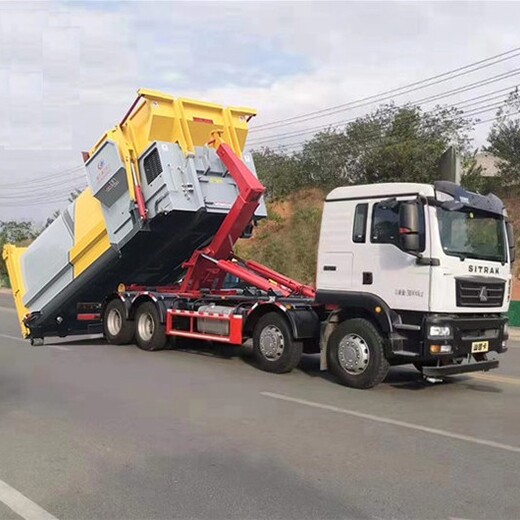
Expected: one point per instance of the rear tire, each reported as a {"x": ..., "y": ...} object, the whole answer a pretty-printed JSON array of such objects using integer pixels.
[
  {"x": 117, "y": 328},
  {"x": 355, "y": 354},
  {"x": 150, "y": 333},
  {"x": 274, "y": 349}
]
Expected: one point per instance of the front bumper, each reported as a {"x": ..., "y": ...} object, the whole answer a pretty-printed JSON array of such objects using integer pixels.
[
  {"x": 466, "y": 331},
  {"x": 450, "y": 370},
  {"x": 412, "y": 344}
]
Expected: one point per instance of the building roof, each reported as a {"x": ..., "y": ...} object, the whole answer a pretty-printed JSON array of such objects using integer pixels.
[{"x": 488, "y": 162}]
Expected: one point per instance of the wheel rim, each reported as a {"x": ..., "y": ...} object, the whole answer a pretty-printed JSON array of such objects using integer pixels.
[
  {"x": 272, "y": 343},
  {"x": 114, "y": 322},
  {"x": 353, "y": 354},
  {"x": 146, "y": 326}
]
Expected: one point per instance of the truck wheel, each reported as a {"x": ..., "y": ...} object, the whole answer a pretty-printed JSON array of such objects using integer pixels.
[
  {"x": 117, "y": 328},
  {"x": 150, "y": 333},
  {"x": 274, "y": 349},
  {"x": 355, "y": 354}
]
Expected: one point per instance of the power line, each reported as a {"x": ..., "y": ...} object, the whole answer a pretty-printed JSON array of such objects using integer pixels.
[
  {"x": 346, "y": 121},
  {"x": 458, "y": 90},
  {"x": 44, "y": 180},
  {"x": 297, "y": 144},
  {"x": 405, "y": 89},
  {"x": 63, "y": 186}
]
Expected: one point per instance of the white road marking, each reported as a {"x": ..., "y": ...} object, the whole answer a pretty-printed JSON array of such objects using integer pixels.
[
  {"x": 497, "y": 378},
  {"x": 57, "y": 347},
  {"x": 8, "y": 309},
  {"x": 394, "y": 422},
  {"x": 14, "y": 338},
  {"x": 21, "y": 505}
]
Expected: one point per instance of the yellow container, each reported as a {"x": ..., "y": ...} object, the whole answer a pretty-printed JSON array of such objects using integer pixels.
[
  {"x": 161, "y": 117},
  {"x": 154, "y": 117}
]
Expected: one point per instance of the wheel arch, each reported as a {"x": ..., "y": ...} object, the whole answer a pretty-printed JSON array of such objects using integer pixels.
[
  {"x": 257, "y": 312},
  {"x": 147, "y": 297},
  {"x": 117, "y": 296},
  {"x": 304, "y": 323},
  {"x": 357, "y": 305}
]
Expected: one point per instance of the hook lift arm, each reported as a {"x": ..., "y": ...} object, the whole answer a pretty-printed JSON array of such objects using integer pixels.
[{"x": 206, "y": 269}]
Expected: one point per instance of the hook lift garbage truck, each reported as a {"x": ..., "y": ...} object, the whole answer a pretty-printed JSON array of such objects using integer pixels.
[{"x": 406, "y": 273}]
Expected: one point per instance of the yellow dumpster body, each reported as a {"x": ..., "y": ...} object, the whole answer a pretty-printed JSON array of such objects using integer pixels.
[{"x": 155, "y": 194}]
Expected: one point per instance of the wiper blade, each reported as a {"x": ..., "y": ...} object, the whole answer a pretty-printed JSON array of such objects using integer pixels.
[
  {"x": 475, "y": 256},
  {"x": 460, "y": 254},
  {"x": 484, "y": 257}
]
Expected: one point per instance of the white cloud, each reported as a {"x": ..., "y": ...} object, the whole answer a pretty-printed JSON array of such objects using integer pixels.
[{"x": 68, "y": 71}]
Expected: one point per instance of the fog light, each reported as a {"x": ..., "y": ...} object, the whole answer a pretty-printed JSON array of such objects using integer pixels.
[
  {"x": 439, "y": 331},
  {"x": 440, "y": 349}
]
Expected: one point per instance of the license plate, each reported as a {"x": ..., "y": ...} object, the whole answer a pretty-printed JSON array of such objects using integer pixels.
[{"x": 479, "y": 346}]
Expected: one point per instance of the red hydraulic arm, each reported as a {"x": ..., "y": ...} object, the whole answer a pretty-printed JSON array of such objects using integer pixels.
[{"x": 207, "y": 268}]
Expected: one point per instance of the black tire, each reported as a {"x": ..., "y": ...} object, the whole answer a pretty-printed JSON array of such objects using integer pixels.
[
  {"x": 285, "y": 352},
  {"x": 150, "y": 333},
  {"x": 117, "y": 328},
  {"x": 366, "y": 356}
]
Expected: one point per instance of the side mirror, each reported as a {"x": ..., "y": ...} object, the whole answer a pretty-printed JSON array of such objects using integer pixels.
[
  {"x": 409, "y": 227},
  {"x": 511, "y": 241}
]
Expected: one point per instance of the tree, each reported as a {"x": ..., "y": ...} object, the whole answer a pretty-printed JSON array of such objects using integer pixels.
[
  {"x": 472, "y": 178},
  {"x": 14, "y": 232},
  {"x": 279, "y": 172},
  {"x": 391, "y": 144},
  {"x": 504, "y": 140},
  {"x": 73, "y": 195}
]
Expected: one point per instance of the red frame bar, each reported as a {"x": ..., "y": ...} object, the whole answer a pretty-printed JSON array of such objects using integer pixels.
[
  {"x": 235, "y": 336},
  {"x": 201, "y": 272},
  {"x": 85, "y": 316}
]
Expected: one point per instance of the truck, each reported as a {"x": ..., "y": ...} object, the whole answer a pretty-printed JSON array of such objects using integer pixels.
[{"x": 407, "y": 273}]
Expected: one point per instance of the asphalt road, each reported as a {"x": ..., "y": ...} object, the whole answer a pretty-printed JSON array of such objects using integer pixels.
[{"x": 92, "y": 431}]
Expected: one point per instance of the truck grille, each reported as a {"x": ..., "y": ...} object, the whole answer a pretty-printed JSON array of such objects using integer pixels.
[{"x": 480, "y": 294}]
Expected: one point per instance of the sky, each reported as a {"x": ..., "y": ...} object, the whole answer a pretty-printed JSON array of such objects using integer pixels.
[{"x": 70, "y": 70}]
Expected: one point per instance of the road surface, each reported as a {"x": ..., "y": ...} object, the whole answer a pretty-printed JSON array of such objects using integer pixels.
[{"x": 89, "y": 430}]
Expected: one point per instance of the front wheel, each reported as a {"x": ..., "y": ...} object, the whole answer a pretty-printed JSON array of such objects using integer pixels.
[
  {"x": 355, "y": 354},
  {"x": 150, "y": 333},
  {"x": 274, "y": 349}
]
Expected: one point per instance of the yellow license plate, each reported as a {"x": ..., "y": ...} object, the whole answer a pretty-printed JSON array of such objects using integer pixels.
[{"x": 479, "y": 346}]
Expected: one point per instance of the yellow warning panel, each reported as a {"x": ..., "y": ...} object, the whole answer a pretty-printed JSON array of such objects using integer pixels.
[
  {"x": 12, "y": 256},
  {"x": 90, "y": 233}
]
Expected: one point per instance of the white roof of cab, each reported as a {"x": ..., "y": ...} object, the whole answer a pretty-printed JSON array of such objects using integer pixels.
[{"x": 384, "y": 189}]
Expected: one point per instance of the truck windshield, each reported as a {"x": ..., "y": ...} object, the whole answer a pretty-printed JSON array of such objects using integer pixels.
[{"x": 472, "y": 234}]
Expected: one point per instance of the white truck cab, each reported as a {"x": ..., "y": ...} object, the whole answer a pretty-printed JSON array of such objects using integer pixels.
[{"x": 413, "y": 273}]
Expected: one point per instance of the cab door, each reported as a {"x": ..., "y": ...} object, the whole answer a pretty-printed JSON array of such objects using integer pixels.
[{"x": 387, "y": 271}]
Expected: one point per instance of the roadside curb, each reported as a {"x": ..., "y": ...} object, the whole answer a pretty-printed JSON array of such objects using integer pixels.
[{"x": 514, "y": 333}]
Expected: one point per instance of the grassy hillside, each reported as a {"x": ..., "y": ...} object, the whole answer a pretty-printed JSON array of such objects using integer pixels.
[{"x": 288, "y": 240}]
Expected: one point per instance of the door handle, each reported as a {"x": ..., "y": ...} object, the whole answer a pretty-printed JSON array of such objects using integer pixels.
[{"x": 367, "y": 278}]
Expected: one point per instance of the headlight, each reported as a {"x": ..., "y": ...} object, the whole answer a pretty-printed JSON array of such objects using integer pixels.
[{"x": 439, "y": 331}]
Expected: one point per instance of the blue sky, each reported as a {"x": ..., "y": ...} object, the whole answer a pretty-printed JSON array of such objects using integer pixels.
[{"x": 69, "y": 70}]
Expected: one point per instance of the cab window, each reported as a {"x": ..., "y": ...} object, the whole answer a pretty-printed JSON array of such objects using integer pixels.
[
  {"x": 359, "y": 229},
  {"x": 385, "y": 224}
]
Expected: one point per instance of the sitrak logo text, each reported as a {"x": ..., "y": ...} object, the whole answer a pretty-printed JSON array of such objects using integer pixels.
[{"x": 482, "y": 269}]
